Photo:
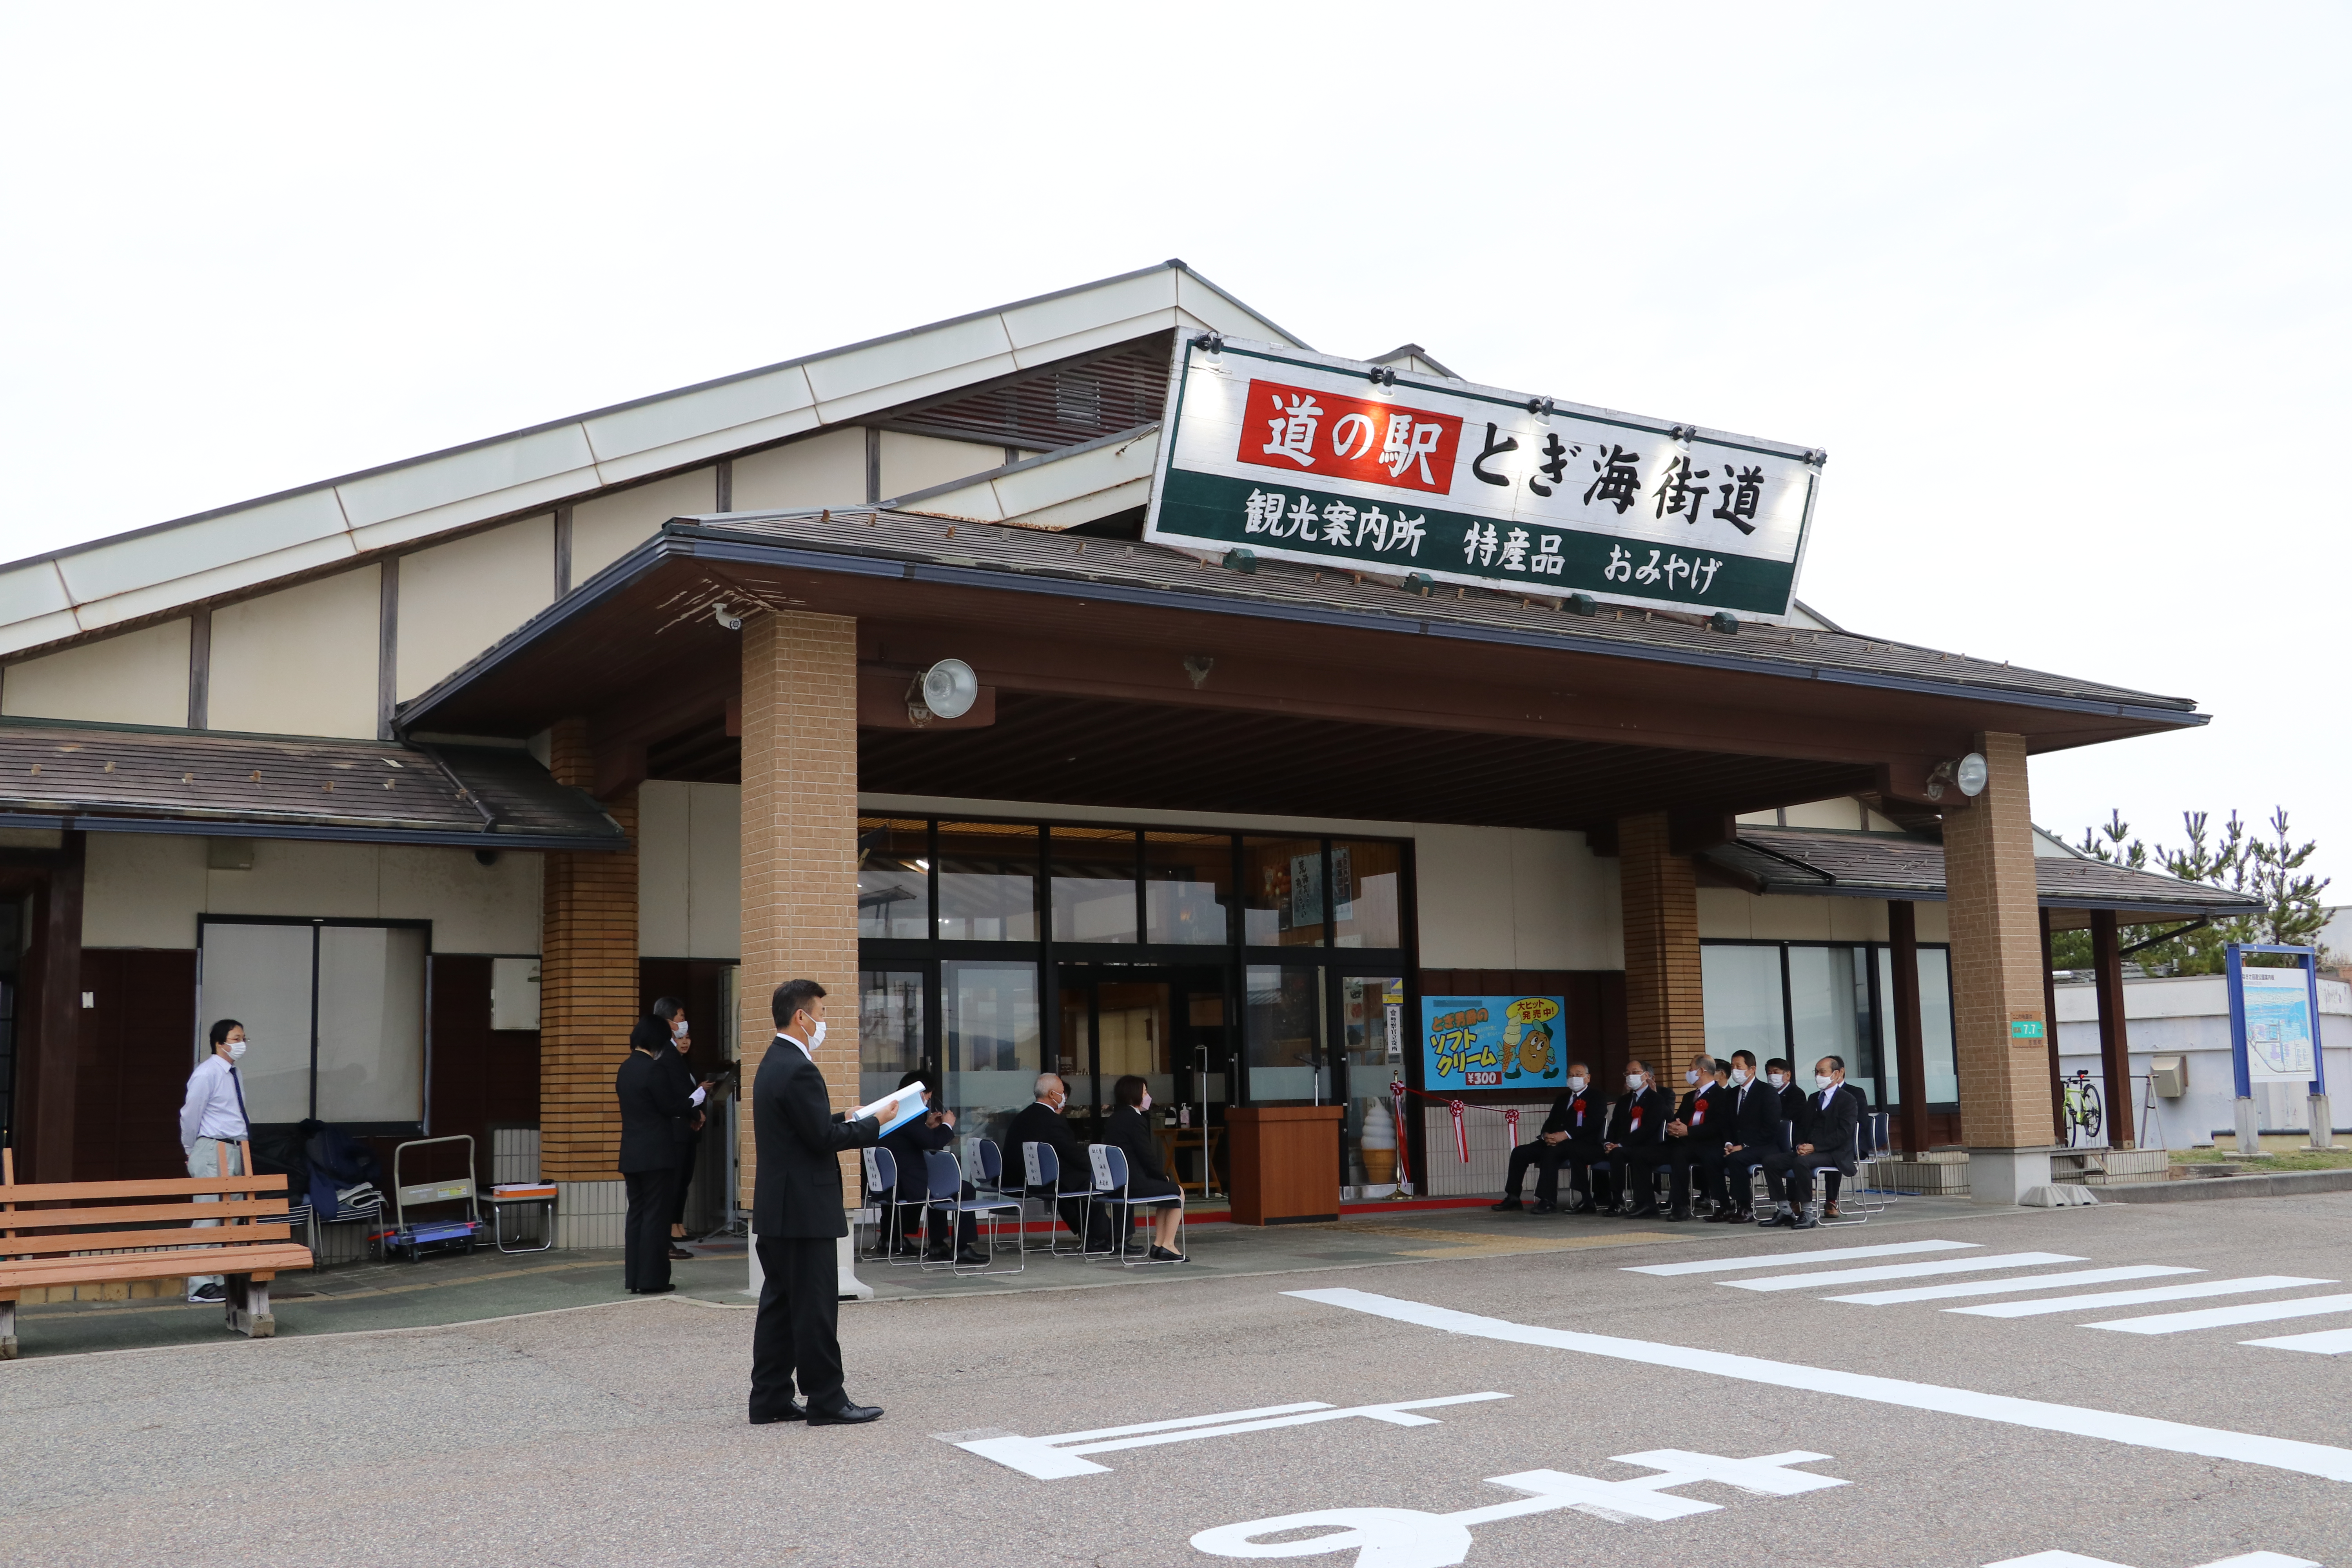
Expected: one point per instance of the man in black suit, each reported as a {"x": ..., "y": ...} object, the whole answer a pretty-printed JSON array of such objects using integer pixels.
[
  {"x": 1752, "y": 1130},
  {"x": 1831, "y": 1178},
  {"x": 797, "y": 1220},
  {"x": 1825, "y": 1127},
  {"x": 655, "y": 1104},
  {"x": 929, "y": 1133},
  {"x": 1684, "y": 1141},
  {"x": 1570, "y": 1135},
  {"x": 1636, "y": 1124},
  {"x": 1042, "y": 1121}
]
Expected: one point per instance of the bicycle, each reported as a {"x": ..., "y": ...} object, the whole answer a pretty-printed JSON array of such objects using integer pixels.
[{"x": 2083, "y": 1116}]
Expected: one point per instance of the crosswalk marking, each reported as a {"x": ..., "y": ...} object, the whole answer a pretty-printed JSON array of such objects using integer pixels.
[
  {"x": 2221, "y": 1317},
  {"x": 2327, "y": 1342},
  {"x": 1998, "y": 1287},
  {"x": 1775, "y": 1259},
  {"x": 2134, "y": 1298},
  {"x": 1902, "y": 1270}
]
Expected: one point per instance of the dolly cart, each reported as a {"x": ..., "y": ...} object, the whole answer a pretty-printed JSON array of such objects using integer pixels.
[{"x": 446, "y": 1233}]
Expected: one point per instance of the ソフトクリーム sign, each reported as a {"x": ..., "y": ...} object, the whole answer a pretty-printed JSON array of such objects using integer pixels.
[
  {"x": 1492, "y": 1042},
  {"x": 1300, "y": 456}
]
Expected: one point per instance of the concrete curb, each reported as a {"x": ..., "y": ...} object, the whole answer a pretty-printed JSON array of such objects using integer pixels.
[{"x": 2198, "y": 1189}]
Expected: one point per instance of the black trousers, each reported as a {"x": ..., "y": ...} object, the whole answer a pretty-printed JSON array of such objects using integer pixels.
[
  {"x": 686, "y": 1163},
  {"x": 1592, "y": 1173},
  {"x": 1789, "y": 1177},
  {"x": 796, "y": 1332},
  {"x": 1642, "y": 1165},
  {"x": 1547, "y": 1158},
  {"x": 1725, "y": 1178},
  {"x": 645, "y": 1234}
]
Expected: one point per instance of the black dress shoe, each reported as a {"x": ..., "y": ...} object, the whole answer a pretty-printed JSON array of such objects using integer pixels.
[
  {"x": 1163, "y": 1255},
  {"x": 845, "y": 1415},
  {"x": 652, "y": 1290},
  {"x": 1810, "y": 1221},
  {"x": 1510, "y": 1205},
  {"x": 790, "y": 1412},
  {"x": 1681, "y": 1214},
  {"x": 679, "y": 1254},
  {"x": 1647, "y": 1211},
  {"x": 1547, "y": 1208},
  {"x": 972, "y": 1257}
]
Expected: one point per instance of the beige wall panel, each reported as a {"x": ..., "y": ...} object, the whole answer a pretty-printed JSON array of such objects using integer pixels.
[
  {"x": 714, "y": 921},
  {"x": 458, "y": 598},
  {"x": 142, "y": 889},
  {"x": 474, "y": 907},
  {"x": 911, "y": 463},
  {"x": 610, "y": 526},
  {"x": 824, "y": 470},
  {"x": 1564, "y": 906},
  {"x": 1466, "y": 897},
  {"x": 1857, "y": 920},
  {"x": 301, "y": 661},
  {"x": 291, "y": 876},
  {"x": 1725, "y": 913},
  {"x": 663, "y": 869},
  {"x": 139, "y": 677},
  {"x": 1934, "y": 921},
  {"x": 1784, "y": 919},
  {"x": 1842, "y": 812}
]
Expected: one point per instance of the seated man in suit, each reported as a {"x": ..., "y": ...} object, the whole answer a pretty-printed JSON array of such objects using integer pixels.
[
  {"x": 1042, "y": 1121},
  {"x": 1825, "y": 1140},
  {"x": 1684, "y": 1141},
  {"x": 1751, "y": 1129},
  {"x": 1572, "y": 1128},
  {"x": 1637, "y": 1123},
  {"x": 1831, "y": 1179},
  {"x": 934, "y": 1129}
]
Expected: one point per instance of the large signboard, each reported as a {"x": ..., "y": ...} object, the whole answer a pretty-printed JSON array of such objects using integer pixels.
[
  {"x": 2276, "y": 1006},
  {"x": 1492, "y": 1042},
  {"x": 1300, "y": 457}
]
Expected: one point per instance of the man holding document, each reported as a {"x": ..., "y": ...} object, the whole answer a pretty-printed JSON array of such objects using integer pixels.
[{"x": 796, "y": 1214}]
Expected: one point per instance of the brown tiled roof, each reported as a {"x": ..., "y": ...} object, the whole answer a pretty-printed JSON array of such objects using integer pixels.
[{"x": 1892, "y": 866}]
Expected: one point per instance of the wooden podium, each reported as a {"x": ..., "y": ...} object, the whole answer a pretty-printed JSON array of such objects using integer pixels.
[{"x": 1284, "y": 1162}]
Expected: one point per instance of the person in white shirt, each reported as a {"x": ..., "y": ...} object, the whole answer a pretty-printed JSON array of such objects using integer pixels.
[{"x": 213, "y": 1129}]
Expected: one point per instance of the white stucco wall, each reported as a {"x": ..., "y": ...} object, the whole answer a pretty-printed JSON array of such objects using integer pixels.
[
  {"x": 610, "y": 526},
  {"x": 1730, "y": 913},
  {"x": 301, "y": 661},
  {"x": 689, "y": 870},
  {"x": 138, "y": 678}
]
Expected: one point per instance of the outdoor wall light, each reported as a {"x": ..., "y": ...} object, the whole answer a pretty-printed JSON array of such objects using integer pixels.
[
  {"x": 950, "y": 689},
  {"x": 1968, "y": 774},
  {"x": 1210, "y": 343}
]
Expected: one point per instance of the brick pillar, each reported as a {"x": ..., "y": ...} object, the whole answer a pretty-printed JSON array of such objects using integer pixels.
[
  {"x": 1999, "y": 1025},
  {"x": 587, "y": 1005},
  {"x": 800, "y": 845},
  {"x": 1665, "y": 1015}
]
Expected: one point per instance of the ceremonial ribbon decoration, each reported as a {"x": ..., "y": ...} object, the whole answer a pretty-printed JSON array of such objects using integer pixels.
[
  {"x": 1403, "y": 1138},
  {"x": 1454, "y": 1109},
  {"x": 1461, "y": 1134}
]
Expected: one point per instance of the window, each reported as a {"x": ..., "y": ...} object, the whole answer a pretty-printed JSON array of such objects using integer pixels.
[
  {"x": 1282, "y": 1010},
  {"x": 1282, "y": 892},
  {"x": 1188, "y": 885},
  {"x": 894, "y": 878},
  {"x": 889, "y": 1029},
  {"x": 988, "y": 881},
  {"x": 1741, "y": 989},
  {"x": 1804, "y": 1000},
  {"x": 1366, "y": 877},
  {"x": 1093, "y": 874},
  {"x": 335, "y": 1017}
]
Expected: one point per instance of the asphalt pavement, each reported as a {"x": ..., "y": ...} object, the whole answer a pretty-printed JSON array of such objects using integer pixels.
[{"x": 1636, "y": 1413}]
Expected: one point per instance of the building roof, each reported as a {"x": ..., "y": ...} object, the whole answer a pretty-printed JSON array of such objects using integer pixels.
[
  {"x": 1828, "y": 863},
  {"x": 126, "y": 779},
  {"x": 148, "y": 571}
]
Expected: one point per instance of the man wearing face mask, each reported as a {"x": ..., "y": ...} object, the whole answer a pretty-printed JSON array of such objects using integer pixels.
[
  {"x": 1573, "y": 1128},
  {"x": 1042, "y": 1121},
  {"x": 1684, "y": 1141},
  {"x": 1751, "y": 1129},
  {"x": 1825, "y": 1141},
  {"x": 213, "y": 1130},
  {"x": 670, "y": 1012},
  {"x": 1636, "y": 1122},
  {"x": 655, "y": 1101}
]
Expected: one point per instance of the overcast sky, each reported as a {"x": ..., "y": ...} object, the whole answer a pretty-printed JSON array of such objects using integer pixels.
[{"x": 2060, "y": 289}]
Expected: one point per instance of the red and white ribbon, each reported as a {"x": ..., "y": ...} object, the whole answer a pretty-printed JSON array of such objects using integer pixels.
[
  {"x": 1403, "y": 1141},
  {"x": 1511, "y": 1121},
  {"x": 1461, "y": 1134}
]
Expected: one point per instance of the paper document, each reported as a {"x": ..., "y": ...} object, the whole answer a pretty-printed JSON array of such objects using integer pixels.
[{"x": 897, "y": 1109}]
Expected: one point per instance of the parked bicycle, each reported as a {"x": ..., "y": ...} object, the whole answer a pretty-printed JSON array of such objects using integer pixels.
[{"x": 2082, "y": 1113}]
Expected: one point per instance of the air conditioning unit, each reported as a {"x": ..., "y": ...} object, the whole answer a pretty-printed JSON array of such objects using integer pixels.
[{"x": 2171, "y": 1076}]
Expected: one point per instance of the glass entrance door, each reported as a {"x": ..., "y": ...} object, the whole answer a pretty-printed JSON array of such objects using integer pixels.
[
  {"x": 1372, "y": 1056},
  {"x": 1164, "y": 1024}
]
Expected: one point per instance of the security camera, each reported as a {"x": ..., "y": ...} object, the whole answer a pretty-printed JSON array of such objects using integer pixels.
[{"x": 727, "y": 622}]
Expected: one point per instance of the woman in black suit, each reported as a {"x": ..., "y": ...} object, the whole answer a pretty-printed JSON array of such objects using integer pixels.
[{"x": 1127, "y": 1129}]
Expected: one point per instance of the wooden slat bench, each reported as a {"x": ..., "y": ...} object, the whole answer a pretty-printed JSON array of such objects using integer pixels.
[{"x": 103, "y": 1232}]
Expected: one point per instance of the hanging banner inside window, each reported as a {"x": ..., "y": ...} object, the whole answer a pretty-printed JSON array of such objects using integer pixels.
[
  {"x": 1300, "y": 456},
  {"x": 1493, "y": 1042}
]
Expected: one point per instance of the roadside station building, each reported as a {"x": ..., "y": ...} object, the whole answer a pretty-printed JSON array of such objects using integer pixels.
[{"x": 435, "y": 775}]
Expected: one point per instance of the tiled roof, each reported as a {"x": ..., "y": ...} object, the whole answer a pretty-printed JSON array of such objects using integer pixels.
[{"x": 1892, "y": 866}]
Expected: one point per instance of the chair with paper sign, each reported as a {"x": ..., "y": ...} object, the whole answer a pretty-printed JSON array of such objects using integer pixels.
[
  {"x": 1128, "y": 1175},
  {"x": 957, "y": 1210}
]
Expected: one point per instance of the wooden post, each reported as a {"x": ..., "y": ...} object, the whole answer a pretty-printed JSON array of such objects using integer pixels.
[
  {"x": 1910, "y": 1044},
  {"x": 2058, "y": 1128},
  {"x": 2114, "y": 1044},
  {"x": 47, "y": 1110}
]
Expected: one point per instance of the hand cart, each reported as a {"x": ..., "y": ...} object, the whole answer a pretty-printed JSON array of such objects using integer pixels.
[{"x": 446, "y": 1233}]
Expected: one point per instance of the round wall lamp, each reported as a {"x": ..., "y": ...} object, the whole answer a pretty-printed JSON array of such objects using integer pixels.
[
  {"x": 950, "y": 689},
  {"x": 1968, "y": 774}
]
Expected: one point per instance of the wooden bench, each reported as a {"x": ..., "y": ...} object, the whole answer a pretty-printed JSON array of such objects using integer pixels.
[{"x": 102, "y": 1232}]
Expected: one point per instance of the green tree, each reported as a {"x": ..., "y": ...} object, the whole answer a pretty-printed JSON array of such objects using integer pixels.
[{"x": 2270, "y": 870}]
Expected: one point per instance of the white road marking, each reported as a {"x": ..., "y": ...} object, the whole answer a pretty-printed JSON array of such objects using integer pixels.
[
  {"x": 2134, "y": 1298},
  {"x": 1775, "y": 1259},
  {"x": 2136, "y": 1431},
  {"x": 1998, "y": 1286},
  {"x": 1060, "y": 1456},
  {"x": 2327, "y": 1342},
  {"x": 2076, "y": 1559},
  {"x": 1835, "y": 1277},
  {"x": 2222, "y": 1317}
]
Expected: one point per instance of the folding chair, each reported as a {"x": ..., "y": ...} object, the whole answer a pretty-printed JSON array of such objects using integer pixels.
[
  {"x": 1044, "y": 1168},
  {"x": 944, "y": 1180},
  {"x": 882, "y": 1192},
  {"x": 1760, "y": 1192},
  {"x": 1111, "y": 1177},
  {"x": 1854, "y": 1207}
]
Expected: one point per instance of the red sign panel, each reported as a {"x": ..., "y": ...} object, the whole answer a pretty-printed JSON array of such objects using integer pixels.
[{"x": 1312, "y": 432}]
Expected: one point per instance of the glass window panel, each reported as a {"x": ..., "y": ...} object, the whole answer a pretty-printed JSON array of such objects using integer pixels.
[
  {"x": 1131, "y": 1031},
  {"x": 370, "y": 1024},
  {"x": 1741, "y": 989},
  {"x": 1283, "y": 1012},
  {"x": 1822, "y": 1005},
  {"x": 992, "y": 1041},
  {"x": 894, "y": 876},
  {"x": 1092, "y": 873},
  {"x": 1934, "y": 1027},
  {"x": 261, "y": 975},
  {"x": 1076, "y": 1052},
  {"x": 1372, "y": 1025},
  {"x": 1187, "y": 888},
  {"x": 1282, "y": 892},
  {"x": 988, "y": 881},
  {"x": 1366, "y": 875},
  {"x": 889, "y": 1029}
]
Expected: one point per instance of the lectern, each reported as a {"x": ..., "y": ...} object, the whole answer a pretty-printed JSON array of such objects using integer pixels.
[{"x": 1284, "y": 1162}]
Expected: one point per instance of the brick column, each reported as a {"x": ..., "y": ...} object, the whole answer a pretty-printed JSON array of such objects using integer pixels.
[
  {"x": 1999, "y": 1026},
  {"x": 587, "y": 1005},
  {"x": 1666, "y": 1014},
  {"x": 800, "y": 845}
]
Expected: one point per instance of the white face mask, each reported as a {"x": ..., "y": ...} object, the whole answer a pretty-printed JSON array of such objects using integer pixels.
[
  {"x": 1147, "y": 1102},
  {"x": 236, "y": 1049},
  {"x": 1739, "y": 1078},
  {"x": 1633, "y": 1081},
  {"x": 1691, "y": 1077},
  {"x": 677, "y": 1028},
  {"x": 1823, "y": 1081},
  {"x": 1778, "y": 1079},
  {"x": 816, "y": 1034},
  {"x": 1576, "y": 1085}
]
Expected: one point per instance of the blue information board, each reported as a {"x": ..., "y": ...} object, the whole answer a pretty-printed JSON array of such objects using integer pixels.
[{"x": 1493, "y": 1042}]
